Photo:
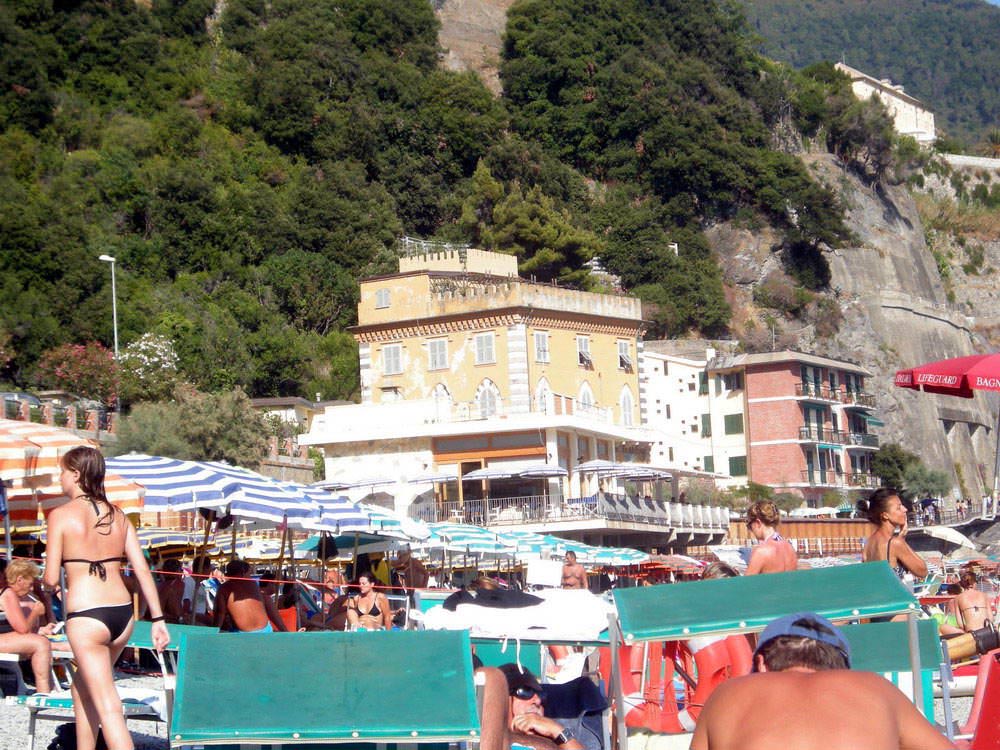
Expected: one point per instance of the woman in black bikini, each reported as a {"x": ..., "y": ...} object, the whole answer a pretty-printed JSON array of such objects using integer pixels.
[
  {"x": 886, "y": 511},
  {"x": 370, "y": 609},
  {"x": 972, "y": 607},
  {"x": 92, "y": 538}
]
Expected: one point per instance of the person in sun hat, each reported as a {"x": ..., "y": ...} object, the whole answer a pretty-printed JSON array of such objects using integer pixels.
[
  {"x": 528, "y": 724},
  {"x": 803, "y": 694}
]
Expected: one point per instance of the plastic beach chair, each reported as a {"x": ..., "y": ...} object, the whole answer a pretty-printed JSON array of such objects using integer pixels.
[{"x": 982, "y": 731}]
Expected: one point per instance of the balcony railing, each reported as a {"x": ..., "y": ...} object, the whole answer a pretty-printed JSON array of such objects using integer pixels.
[
  {"x": 69, "y": 417},
  {"x": 858, "y": 398},
  {"x": 534, "y": 509},
  {"x": 820, "y": 392},
  {"x": 864, "y": 439},
  {"x": 816, "y": 434},
  {"x": 822, "y": 477},
  {"x": 863, "y": 479}
]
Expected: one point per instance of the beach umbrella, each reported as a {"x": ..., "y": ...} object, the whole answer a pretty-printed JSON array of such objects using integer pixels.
[
  {"x": 172, "y": 484},
  {"x": 489, "y": 472},
  {"x": 948, "y": 534},
  {"x": 459, "y": 537},
  {"x": 541, "y": 471},
  {"x": 962, "y": 377},
  {"x": 254, "y": 495},
  {"x": 29, "y": 458},
  {"x": 434, "y": 477}
]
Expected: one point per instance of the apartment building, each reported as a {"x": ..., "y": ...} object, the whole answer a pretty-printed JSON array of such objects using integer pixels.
[{"x": 799, "y": 423}]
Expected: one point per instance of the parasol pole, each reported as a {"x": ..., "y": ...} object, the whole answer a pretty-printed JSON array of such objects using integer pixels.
[
  {"x": 232, "y": 549},
  {"x": 996, "y": 462},
  {"x": 6, "y": 518}
]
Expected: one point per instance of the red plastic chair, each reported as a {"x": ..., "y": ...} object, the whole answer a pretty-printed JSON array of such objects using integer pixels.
[
  {"x": 985, "y": 734},
  {"x": 290, "y": 616}
]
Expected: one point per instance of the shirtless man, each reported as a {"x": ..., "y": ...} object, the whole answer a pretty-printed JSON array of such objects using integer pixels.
[
  {"x": 526, "y": 717},
  {"x": 240, "y": 598},
  {"x": 774, "y": 554},
  {"x": 573, "y": 574},
  {"x": 804, "y": 696},
  {"x": 411, "y": 571}
]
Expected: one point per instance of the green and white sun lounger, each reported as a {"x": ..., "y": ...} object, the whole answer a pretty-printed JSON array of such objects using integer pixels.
[
  {"x": 748, "y": 603},
  {"x": 308, "y": 689},
  {"x": 883, "y": 647}
]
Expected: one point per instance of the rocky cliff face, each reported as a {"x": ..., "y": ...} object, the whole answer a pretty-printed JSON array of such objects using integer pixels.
[
  {"x": 896, "y": 309},
  {"x": 896, "y": 313}
]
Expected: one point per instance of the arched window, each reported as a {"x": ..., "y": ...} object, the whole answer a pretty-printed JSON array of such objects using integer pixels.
[
  {"x": 625, "y": 402},
  {"x": 442, "y": 402},
  {"x": 585, "y": 399},
  {"x": 543, "y": 397},
  {"x": 488, "y": 398}
]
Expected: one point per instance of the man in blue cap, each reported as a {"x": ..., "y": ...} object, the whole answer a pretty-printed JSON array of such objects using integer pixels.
[{"x": 804, "y": 695}]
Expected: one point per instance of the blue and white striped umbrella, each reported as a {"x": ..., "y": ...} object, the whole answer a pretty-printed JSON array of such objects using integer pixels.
[
  {"x": 172, "y": 484},
  {"x": 258, "y": 496}
]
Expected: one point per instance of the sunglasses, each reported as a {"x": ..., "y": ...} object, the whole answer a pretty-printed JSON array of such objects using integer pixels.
[{"x": 524, "y": 693}]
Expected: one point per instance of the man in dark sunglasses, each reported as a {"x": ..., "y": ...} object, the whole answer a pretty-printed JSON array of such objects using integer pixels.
[{"x": 526, "y": 714}]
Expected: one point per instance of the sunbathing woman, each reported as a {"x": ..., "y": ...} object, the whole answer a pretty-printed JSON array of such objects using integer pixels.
[
  {"x": 91, "y": 538},
  {"x": 774, "y": 553},
  {"x": 971, "y": 607},
  {"x": 20, "y": 619},
  {"x": 886, "y": 511},
  {"x": 370, "y": 609}
]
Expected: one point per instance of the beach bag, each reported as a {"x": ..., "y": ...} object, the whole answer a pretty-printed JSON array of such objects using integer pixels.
[{"x": 65, "y": 738}]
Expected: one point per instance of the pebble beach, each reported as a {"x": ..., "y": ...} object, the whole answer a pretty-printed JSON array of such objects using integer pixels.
[{"x": 150, "y": 736}]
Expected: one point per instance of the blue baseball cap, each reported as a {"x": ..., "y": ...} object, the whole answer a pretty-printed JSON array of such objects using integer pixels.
[{"x": 805, "y": 625}]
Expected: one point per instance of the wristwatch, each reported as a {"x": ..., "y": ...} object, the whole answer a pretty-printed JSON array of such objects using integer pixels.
[{"x": 563, "y": 737}]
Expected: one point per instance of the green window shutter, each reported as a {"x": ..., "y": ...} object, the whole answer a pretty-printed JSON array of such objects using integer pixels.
[
  {"x": 734, "y": 424},
  {"x": 738, "y": 466}
]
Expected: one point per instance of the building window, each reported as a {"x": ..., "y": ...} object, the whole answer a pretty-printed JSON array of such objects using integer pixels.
[
  {"x": 709, "y": 463},
  {"x": 667, "y": 412},
  {"x": 392, "y": 359},
  {"x": 706, "y": 425},
  {"x": 586, "y": 398},
  {"x": 734, "y": 424},
  {"x": 485, "y": 354},
  {"x": 488, "y": 399},
  {"x": 437, "y": 350},
  {"x": 543, "y": 397},
  {"x": 665, "y": 368},
  {"x": 381, "y": 298},
  {"x": 670, "y": 454},
  {"x": 733, "y": 381},
  {"x": 737, "y": 466},
  {"x": 690, "y": 386},
  {"x": 694, "y": 428},
  {"x": 541, "y": 346},
  {"x": 390, "y": 394},
  {"x": 702, "y": 383},
  {"x": 624, "y": 358},
  {"x": 626, "y": 405},
  {"x": 583, "y": 352}
]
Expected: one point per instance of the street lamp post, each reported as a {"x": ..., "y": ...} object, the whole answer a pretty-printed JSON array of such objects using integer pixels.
[{"x": 114, "y": 313}]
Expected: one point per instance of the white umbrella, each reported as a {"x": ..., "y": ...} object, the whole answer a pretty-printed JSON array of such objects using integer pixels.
[
  {"x": 949, "y": 534},
  {"x": 489, "y": 472},
  {"x": 542, "y": 471}
]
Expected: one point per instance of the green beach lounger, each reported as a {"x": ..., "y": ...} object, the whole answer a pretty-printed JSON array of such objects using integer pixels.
[
  {"x": 313, "y": 689},
  {"x": 747, "y": 604}
]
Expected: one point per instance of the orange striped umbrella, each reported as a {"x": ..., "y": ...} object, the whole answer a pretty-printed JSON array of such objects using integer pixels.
[
  {"x": 50, "y": 443},
  {"x": 24, "y": 503}
]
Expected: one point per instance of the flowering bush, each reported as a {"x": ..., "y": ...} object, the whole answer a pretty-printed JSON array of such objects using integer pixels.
[
  {"x": 148, "y": 369},
  {"x": 88, "y": 370}
]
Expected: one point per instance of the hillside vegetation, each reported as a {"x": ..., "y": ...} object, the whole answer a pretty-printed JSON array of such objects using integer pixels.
[
  {"x": 246, "y": 172},
  {"x": 944, "y": 52}
]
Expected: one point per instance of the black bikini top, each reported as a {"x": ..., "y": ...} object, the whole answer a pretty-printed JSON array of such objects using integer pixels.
[{"x": 97, "y": 566}]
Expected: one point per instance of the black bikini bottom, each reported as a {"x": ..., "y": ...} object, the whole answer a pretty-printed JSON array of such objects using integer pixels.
[{"x": 115, "y": 617}]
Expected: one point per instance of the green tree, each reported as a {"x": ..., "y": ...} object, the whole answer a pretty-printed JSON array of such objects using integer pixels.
[
  {"x": 197, "y": 426},
  {"x": 547, "y": 244},
  {"x": 891, "y": 463},
  {"x": 922, "y": 481}
]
